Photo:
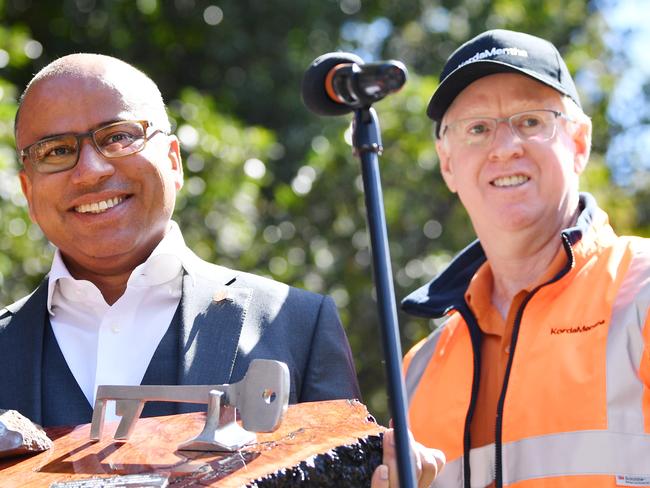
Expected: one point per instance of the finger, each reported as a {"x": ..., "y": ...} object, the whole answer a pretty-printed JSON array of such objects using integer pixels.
[
  {"x": 380, "y": 477},
  {"x": 440, "y": 460},
  {"x": 389, "y": 458},
  {"x": 431, "y": 461},
  {"x": 416, "y": 456}
]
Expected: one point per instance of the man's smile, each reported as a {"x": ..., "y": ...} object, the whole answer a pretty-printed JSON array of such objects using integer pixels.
[
  {"x": 100, "y": 206},
  {"x": 509, "y": 181}
]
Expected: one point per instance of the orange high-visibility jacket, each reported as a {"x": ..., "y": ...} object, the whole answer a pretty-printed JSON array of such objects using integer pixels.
[{"x": 574, "y": 409}]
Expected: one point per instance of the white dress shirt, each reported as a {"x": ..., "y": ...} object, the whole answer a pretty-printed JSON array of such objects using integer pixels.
[{"x": 113, "y": 344}]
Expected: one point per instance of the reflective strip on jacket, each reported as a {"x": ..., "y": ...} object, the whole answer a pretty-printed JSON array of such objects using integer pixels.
[{"x": 575, "y": 406}]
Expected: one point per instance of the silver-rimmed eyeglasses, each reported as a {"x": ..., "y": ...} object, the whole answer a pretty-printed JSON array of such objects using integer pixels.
[
  {"x": 61, "y": 152},
  {"x": 532, "y": 125}
]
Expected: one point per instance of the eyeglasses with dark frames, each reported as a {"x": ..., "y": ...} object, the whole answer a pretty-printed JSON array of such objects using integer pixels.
[{"x": 60, "y": 153}]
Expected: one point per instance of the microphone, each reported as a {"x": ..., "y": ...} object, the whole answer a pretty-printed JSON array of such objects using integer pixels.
[{"x": 337, "y": 83}]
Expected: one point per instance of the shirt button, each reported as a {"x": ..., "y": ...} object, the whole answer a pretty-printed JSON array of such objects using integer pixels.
[
  {"x": 507, "y": 349},
  {"x": 115, "y": 329}
]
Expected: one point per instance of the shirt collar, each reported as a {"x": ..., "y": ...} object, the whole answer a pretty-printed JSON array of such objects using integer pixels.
[
  {"x": 479, "y": 293},
  {"x": 446, "y": 291},
  {"x": 167, "y": 260}
]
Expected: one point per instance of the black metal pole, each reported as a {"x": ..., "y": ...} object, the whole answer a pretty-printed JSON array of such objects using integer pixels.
[{"x": 367, "y": 144}]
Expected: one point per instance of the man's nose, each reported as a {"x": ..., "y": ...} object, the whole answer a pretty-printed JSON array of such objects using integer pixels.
[
  {"x": 506, "y": 143},
  {"x": 92, "y": 166}
]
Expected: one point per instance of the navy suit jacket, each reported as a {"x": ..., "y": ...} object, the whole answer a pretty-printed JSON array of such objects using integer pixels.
[{"x": 258, "y": 318}]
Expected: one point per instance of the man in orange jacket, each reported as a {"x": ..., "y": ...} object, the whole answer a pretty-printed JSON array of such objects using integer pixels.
[{"x": 540, "y": 376}]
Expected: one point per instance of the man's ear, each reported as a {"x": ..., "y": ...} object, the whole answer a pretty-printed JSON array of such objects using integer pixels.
[
  {"x": 582, "y": 142},
  {"x": 446, "y": 168},
  {"x": 26, "y": 187},
  {"x": 174, "y": 155}
]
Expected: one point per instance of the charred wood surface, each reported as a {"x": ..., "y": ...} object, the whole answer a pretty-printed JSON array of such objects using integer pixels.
[{"x": 324, "y": 444}]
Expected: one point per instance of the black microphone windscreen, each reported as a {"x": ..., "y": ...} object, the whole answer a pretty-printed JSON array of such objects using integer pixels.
[{"x": 314, "y": 94}]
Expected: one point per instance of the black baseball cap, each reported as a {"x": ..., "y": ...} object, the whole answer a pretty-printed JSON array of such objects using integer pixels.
[{"x": 500, "y": 51}]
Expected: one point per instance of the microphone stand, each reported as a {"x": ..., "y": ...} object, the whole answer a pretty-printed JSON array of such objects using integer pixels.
[{"x": 366, "y": 140}]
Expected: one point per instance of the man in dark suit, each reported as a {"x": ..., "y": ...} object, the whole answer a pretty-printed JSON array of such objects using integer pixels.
[{"x": 126, "y": 302}]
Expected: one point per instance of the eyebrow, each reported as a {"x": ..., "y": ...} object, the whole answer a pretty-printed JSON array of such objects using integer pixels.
[{"x": 95, "y": 127}]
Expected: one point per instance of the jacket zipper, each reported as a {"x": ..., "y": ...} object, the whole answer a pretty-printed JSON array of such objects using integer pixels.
[
  {"x": 498, "y": 443},
  {"x": 498, "y": 463},
  {"x": 476, "y": 339}
]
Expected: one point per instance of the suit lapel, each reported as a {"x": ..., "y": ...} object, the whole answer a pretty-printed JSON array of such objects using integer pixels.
[
  {"x": 212, "y": 316},
  {"x": 24, "y": 359}
]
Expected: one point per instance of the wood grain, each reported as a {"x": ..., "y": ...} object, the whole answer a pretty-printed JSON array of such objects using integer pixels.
[{"x": 308, "y": 429}]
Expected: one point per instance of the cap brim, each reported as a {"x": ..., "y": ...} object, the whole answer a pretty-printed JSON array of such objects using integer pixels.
[{"x": 462, "y": 77}]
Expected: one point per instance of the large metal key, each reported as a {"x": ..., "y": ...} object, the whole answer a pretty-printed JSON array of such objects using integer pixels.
[{"x": 261, "y": 399}]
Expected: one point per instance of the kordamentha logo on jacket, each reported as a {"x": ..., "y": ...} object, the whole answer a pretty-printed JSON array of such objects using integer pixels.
[
  {"x": 575, "y": 330},
  {"x": 495, "y": 51}
]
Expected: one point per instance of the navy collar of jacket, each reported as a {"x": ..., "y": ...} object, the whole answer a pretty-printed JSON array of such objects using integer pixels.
[{"x": 446, "y": 291}]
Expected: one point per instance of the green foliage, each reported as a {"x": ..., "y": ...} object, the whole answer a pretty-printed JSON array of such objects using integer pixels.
[
  {"x": 270, "y": 188},
  {"x": 24, "y": 254}
]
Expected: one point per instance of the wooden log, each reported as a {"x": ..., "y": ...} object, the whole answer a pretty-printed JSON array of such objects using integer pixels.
[{"x": 335, "y": 443}]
